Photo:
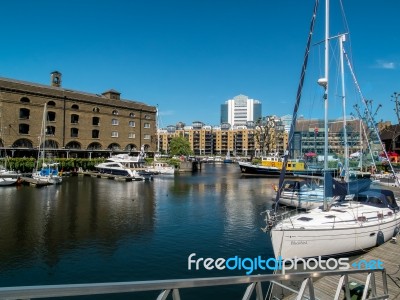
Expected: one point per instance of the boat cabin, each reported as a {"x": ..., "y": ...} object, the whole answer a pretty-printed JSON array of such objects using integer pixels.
[{"x": 378, "y": 198}]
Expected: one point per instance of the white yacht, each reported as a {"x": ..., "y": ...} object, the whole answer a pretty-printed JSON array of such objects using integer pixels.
[
  {"x": 125, "y": 165},
  {"x": 161, "y": 168},
  {"x": 8, "y": 177}
]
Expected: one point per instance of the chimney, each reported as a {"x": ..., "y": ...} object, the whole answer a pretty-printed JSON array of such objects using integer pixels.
[{"x": 55, "y": 79}]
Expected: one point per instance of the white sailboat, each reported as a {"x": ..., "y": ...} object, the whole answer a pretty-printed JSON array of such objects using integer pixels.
[
  {"x": 7, "y": 177},
  {"x": 336, "y": 228},
  {"x": 49, "y": 172}
]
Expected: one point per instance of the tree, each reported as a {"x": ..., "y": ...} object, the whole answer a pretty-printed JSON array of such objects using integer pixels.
[{"x": 180, "y": 146}]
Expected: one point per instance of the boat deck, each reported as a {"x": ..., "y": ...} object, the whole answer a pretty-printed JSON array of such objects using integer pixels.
[{"x": 388, "y": 253}]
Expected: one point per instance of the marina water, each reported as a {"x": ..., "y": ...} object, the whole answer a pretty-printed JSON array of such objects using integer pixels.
[{"x": 91, "y": 230}]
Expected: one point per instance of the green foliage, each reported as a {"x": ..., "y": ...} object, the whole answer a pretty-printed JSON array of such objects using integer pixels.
[
  {"x": 180, "y": 146},
  {"x": 66, "y": 164},
  {"x": 174, "y": 162}
]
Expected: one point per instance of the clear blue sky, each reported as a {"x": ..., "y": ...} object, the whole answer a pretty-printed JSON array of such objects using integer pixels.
[{"x": 191, "y": 56}]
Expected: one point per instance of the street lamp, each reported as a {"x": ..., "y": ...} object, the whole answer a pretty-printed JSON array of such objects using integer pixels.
[{"x": 395, "y": 99}]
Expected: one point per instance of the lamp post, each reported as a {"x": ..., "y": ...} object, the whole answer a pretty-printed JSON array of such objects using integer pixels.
[{"x": 395, "y": 99}]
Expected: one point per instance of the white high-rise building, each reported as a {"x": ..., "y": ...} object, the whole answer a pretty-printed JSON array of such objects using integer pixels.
[{"x": 240, "y": 110}]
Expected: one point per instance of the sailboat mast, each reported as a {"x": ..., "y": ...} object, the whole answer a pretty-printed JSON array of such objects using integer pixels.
[
  {"x": 342, "y": 39},
  {"x": 158, "y": 131},
  {"x": 326, "y": 100}
]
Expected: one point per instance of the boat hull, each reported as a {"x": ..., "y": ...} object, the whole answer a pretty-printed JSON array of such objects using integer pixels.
[
  {"x": 248, "y": 169},
  {"x": 329, "y": 242}
]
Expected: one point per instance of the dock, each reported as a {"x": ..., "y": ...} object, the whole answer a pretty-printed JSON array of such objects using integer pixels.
[
  {"x": 106, "y": 176},
  {"x": 388, "y": 253},
  {"x": 34, "y": 182}
]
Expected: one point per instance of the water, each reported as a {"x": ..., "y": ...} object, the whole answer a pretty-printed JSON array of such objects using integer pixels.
[{"x": 97, "y": 230}]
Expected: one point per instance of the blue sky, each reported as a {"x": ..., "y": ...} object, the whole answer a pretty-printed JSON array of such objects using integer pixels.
[{"x": 188, "y": 57}]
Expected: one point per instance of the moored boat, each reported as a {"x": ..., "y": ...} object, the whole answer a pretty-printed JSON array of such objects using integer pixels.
[{"x": 125, "y": 165}]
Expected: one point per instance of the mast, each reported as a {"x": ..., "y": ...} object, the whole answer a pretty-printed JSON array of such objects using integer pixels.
[
  {"x": 297, "y": 103},
  {"x": 158, "y": 131},
  {"x": 324, "y": 83},
  {"x": 42, "y": 137},
  {"x": 342, "y": 39}
]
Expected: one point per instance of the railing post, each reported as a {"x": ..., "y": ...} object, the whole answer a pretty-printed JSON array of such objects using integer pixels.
[
  {"x": 343, "y": 282},
  {"x": 366, "y": 286},
  {"x": 163, "y": 295},
  {"x": 306, "y": 281},
  {"x": 249, "y": 291},
  {"x": 384, "y": 282},
  {"x": 175, "y": 294},
  {"x": 259, "y": 292}
]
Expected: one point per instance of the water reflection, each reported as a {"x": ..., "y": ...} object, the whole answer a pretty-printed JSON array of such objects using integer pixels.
[
  {"x": 98, "y": 230},
  {"x": 48, "y": 221}
]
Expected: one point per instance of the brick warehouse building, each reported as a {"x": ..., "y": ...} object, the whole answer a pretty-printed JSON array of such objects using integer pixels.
[{"x": 78, "y": 124}]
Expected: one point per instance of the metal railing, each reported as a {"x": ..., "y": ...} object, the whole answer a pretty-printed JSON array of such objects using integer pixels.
[{"x": 172, "y": 287}]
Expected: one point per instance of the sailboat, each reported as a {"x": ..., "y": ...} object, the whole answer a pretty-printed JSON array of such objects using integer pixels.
[
  {"x": 337, "y": 228},
  {"x": 48, "y": 172},
  {"x": 7, "y": 177}
]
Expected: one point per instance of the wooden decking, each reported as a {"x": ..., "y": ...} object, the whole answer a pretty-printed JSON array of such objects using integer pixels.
[
  {"x": 388, "y": 253},
  {"x": 107, "y": 176},
  {"x": 34, "y": 182}
]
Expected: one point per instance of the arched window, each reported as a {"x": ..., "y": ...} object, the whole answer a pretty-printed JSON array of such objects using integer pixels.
[
  {"x": 95, "y": 134},
  {"x": 49, "y": 144},
  {"x": 74, "y": 119},
  {"x": 73, "y": 145},
  {"x": 74, "y": 132},
  {"x": 75, "y": 106},
  {"x": 24, "y": 113},
  {"x": 23, "y": 128},
  {"x": 95, "y": 121},
  {"x": 51, "y": 116},
  {"x": 25, "y": 100},
  {"x": 147, "y": 117},
  {"x": 96, "y": 109},
  {"x": 132, "y": 115},
  {"x": 114, "y": 146},
  {"x": 115, "y": 112},
  {"x": 22, "y": 143},
  {"x": 51, "y": 103},
  {"x": 131, "y": 147},
  {"x": 95, "y": 146}
]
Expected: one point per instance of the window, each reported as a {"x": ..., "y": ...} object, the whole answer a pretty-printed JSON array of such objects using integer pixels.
[
  {"x": 74, "y": 119},
  {"x": 131, "y": 123},
  {"x": 96, "y": 109},
  {"x": 51, "y": 116},
  {"x": 75, "y": 106},
  {"x": 146, "y": 125},
  {"x": 132, "y": 115},
  {"x": 25, "y": 100},
  {"x": 51, "y": 103},
  {"x": 95, "y": 134},
  {"x": 23, "y": 128},
  {"x": 24, "y": 113},
  {"x": 50, "y": 130},
  {"x": 96, "y": 121},
  {"x": 114, "y": 134},
  {"x": 131, "y": 135},
  {"x": 114, "y": 122},
  {"x": 146, "y": 136},
  {"x": 74, "y": 132},
  {"x": 147, "y": 117},
  {"x": 115, "y": 112}
]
